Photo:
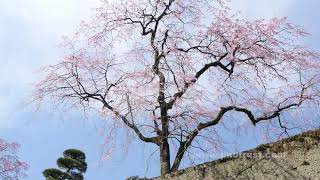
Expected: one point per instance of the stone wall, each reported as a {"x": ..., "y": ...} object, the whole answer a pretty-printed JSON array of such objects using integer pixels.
[{"x": 297, "y": 157}]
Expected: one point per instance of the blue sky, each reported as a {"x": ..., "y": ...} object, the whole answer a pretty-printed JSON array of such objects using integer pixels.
[{"x": 29, "y": 33}]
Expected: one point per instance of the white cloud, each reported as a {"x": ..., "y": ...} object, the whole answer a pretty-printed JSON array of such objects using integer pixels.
[
  {"x": 30, "y": 30},
  {"x": 262, "y": 8},
  {"x": 53, "y": 16}
]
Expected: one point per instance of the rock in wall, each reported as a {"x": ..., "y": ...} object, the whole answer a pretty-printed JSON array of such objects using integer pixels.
[{"x": 297, "y": 157}]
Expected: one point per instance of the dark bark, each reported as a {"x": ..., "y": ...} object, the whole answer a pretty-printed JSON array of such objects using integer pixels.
[
  {"x": 165, "y": 157},
  {"x": 164, "y": 146}
]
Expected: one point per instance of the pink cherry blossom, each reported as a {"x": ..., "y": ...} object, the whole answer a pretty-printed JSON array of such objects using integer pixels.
[
  {"x": 11, "y": 168},
  {"x": 170, "y": 71}
]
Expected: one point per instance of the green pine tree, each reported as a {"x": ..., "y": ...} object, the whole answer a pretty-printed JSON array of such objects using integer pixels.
[{"x": 73, "y": 163}]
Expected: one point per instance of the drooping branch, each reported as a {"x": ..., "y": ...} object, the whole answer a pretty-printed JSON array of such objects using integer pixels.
[
  {"x": 196, "y": 77},
  {"x": 125, "y": 120},
  {"x": 185, "y": 144}
]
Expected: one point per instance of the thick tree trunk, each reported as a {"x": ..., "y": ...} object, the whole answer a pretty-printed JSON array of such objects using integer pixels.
[{"x": 165, "y": 157}]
